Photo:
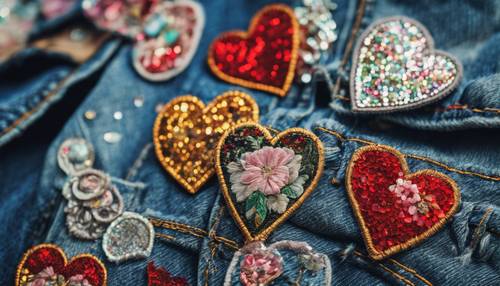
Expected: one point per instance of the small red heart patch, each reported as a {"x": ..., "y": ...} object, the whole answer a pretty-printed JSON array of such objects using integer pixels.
[
  {"x": 47, "y": 263},
  {"x": 397, "y": 209},
  {"x": 263, "y": 58}
]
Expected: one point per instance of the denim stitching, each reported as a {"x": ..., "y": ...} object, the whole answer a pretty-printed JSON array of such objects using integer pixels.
[
  {"x": 388, "y": 270},
  {"x": 28, "y": 113},
  {"x": 422, "y": 158},
  {"x": 410, "y": 270},
  {"x": 165, "y": 236},
  {"x": 139, "y": 161}
]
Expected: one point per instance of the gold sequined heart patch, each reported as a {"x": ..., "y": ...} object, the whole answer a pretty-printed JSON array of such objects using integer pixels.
[{"x": 186, "y": 133}]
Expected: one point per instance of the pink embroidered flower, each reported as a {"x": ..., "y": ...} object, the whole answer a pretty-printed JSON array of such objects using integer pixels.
[
  {"x": 260, "y": 267},
  {"x": 266, "y": 170}
]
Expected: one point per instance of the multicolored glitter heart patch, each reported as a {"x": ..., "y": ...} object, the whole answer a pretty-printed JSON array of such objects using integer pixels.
[
  {"x": 170, "y": 37},
  {"x": 397, "y": 209},
  {"x": 264, "y": 179},
  {"x": 186, "y": 133},
  {"x": 395, "y": 67},
  {"x": 263, "y": 58},
  {"x": 46, "y": 264}
]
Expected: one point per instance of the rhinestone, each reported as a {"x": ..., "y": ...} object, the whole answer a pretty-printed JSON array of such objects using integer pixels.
[
  {"x": 90, "y": 114},
  {"x": 118, "y": 115},
  {"x": 138, "y": 101},
  {"x": 112, "y": 137}
]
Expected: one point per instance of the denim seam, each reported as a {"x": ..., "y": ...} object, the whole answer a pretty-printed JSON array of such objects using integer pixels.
[
  {"x": 26, "y": 115},
  {"x": 397, "y": 275},
  {"x": 410, "y": 270},
  {"x": 417, "y": 157},
  {"x": 212, "y": 243},
  {"x": 198, "y": 232},
  {"x": 447, "y": 108},
  {"x": 132, "y": 172}
]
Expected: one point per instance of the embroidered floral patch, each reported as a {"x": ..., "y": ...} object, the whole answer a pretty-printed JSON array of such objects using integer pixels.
[
  {"x": 93, "y": 203},
  {"x": 395, "y": 67},
  {"x": 397, "y": 209},
  {"x": 282, "y": 263},
  {"x": 265, "y": 179},
  {"x": 158, "y": 276},
  {"x": 46, "y": 265},
  {"x": 130, "y": 236},
  {"x": 169, "y": 39},
  {"x": 264, "y": 57},
  {"x": 186, "y": 133},
  {"x": 74, "y": 155}
]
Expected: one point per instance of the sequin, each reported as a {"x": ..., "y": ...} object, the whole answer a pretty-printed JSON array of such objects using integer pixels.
[
  {"x": 16, "y": 21},
  {"x": 262, "y": 195},
  {"x": 112, "y": 137},
  {"x": 90, "y": 115},
  {"x": 122, "y": 16},
  {"x": 397, "y": 209},
  {"x": 395, "y": 67},
  {"x": 186, "y": 133},
  {"x": 264, "y": 57},
  {"x": 138, "y": 101},
  {"x": 170, "y": 38},
  {"x": 75, "y": 154},
  {"x": 93, "y": 202},
  {"x": 158, "y": 276},
  {"x": 318, "y": 32},
  {"x": 46, "y": 264},
  {"x": 118, "y": 115},
  {"x": 131, "y": 236}
]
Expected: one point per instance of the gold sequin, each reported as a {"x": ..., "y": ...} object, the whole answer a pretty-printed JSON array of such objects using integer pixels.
[{"x": 186, "y": 133}]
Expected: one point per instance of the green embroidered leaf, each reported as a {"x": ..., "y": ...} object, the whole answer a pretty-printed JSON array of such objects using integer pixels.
[
  {"x": 255, "y": 143},
  {"x": 261, "y": 211},
  {"x": 287, "y": 191}
]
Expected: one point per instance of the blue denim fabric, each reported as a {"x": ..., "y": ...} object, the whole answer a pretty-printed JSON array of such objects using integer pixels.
[{"x": 197, "y": 235}]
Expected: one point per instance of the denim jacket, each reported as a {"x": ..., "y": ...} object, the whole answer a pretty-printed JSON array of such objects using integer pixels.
[{"x": 44, "y": 96}]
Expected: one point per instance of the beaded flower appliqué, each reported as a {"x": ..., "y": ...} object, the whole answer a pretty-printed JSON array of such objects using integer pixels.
[{"x": 395, "y": 67}]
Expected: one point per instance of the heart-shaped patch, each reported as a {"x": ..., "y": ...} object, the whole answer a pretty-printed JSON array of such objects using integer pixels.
[
  {"x": 395, "y": 67},
  {"x": 397, "y": 209},
  {"x": 47, "y": 263},
  {"x": 279, "y": 264},
  {"x": 170, "y": 37},
  {"x": 263, "y": 58},
  {"x": 186, "y": 133},
  {"x": 264, "y": 179}
]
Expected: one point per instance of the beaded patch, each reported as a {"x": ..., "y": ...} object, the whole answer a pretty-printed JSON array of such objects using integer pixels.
[
  {"x": 74, "y": 155},
  {"x": 397, "y": 209},
  {"x": 263, "y": 58},
  {"x": 46, "y": 264},
  {"x": 16, "y": 21},
  {"x": 158, "y": 276},
  {"x": 264, "y": 179},
  {"x": 121, "y": 16},
  {"x": 395, "y": 67},
  {"x": 128, "y": 237},
  {"x": 258, "y": 265},
  {"x": 186, "y": 133},
  {"x": 170, "y": 37},
  {"x": 93, "y": 203}
]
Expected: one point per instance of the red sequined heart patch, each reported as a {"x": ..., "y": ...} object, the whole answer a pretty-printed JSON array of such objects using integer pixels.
[
  {"x": 46, "y": 263},
  {"x": 397, "y": 209},
  {"x": 264, "y": 57},
  {"x": 158, "y": 276}
]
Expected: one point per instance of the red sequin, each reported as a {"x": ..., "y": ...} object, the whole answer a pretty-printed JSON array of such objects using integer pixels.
[
  {"x": 265, "y": 57},
  {"x": 158, "y": 276},
  {"x": 387, "y": 219},
  {"x": 47, "y": 255}
]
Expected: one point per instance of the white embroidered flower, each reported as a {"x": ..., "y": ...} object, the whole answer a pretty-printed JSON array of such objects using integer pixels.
[{"x": 277, "y": 203}]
